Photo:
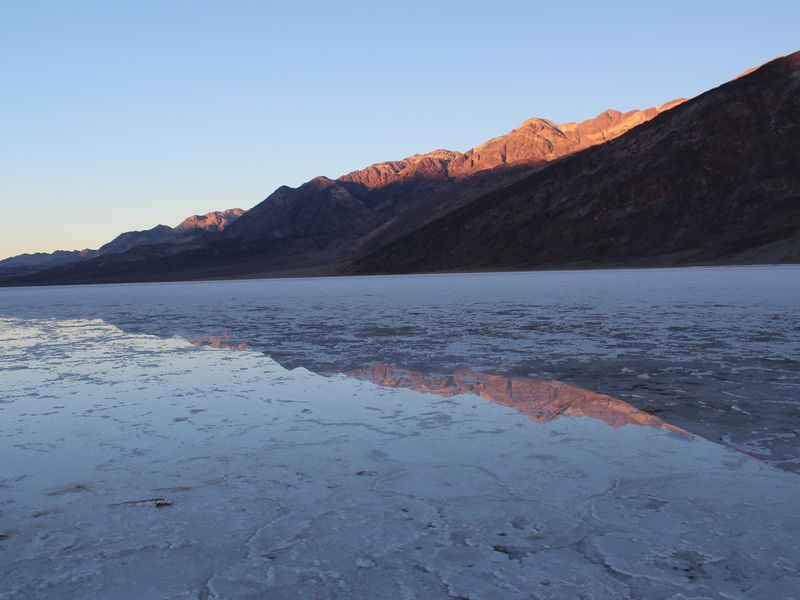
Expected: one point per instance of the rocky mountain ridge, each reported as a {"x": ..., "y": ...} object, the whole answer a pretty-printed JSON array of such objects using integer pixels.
[
  {"x": 707, "y": 180},
  {"x": 350, "y": 215},
  {"x": 534, "y": 142},
  {"x": 30, "y": 263},
  {"x": 715, "y": 179}
]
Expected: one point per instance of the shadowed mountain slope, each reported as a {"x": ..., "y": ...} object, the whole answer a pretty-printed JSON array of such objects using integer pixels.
[
  {"x": 37, "y": 261},
  {"x": 217, "y": 220},
  {"x": 716, "y": 179},
  {"x": 160, "y": 234},
  {"x": 319, "y": 227},
  {"x": 325, "y": 211}
]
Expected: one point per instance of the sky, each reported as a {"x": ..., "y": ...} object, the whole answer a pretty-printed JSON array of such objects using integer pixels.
[{"x": 118, "y": 116}]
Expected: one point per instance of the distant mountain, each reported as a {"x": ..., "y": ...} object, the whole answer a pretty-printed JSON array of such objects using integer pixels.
[
  {"x": 213, "y": 221},
  {"x": 714, "y": 180},
  {"x": 37, "y": 261},
  {"x": 539, "y": 141},
  {"x": 322, "y": 225},
  {"x": 325, "y": 211},
  {"x": 125, "y": 241},
  {"x": 707, "y": 180},
  {"x": 30, "y": 263}
]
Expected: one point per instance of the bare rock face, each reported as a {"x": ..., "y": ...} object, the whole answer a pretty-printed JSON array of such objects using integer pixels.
[
  {"x": 433, "y": 165},
  {"x": 365, "y": 208},
  {"x": 538, "y": 141},
  {"x": 535, "y": 142},
  {"x": 22, "y": 264},
  {"x": 319, "y": 213},
  {"x": 130, "y": 239},
  {"x": 353, "y": 215},
  {"x": 713, "y": 180},
  {"x": 160, "y": 234},
  {"x": 213, "y": 221}
]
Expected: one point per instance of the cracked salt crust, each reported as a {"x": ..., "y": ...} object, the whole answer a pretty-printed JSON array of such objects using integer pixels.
[{"x": 267, "y": 500}]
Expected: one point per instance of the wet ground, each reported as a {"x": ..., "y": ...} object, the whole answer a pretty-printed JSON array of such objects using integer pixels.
[
  {"x": 715, "y": 351},
  {"x": 137, "y": 466}
]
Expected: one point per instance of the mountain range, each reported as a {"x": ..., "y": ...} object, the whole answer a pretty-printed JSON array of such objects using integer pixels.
[
  {"x": 211, "y": 222},
  {"x": 714, "y": 179}
]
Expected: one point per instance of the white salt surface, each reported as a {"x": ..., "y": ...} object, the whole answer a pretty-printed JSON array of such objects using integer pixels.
[
  {"x": 714, "y": 350},
  {"x": 287, "y": 484}
]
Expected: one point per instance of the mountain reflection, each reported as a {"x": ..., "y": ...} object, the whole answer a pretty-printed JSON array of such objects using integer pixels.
[
  {"x": 217, "y": 341},
  {"x": 541, "y": 400}
]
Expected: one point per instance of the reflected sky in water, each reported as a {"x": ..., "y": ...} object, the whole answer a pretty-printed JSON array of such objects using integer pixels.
[
  {"x": 710, "y": 350},
  {"x": 285, "y": 482},
  {"x": 540, "y": 400}
]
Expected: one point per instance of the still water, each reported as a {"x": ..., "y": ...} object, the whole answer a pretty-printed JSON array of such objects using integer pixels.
[{"x": 605, "y": 434}]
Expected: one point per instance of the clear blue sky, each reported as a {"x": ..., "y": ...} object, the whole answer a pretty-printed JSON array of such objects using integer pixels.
[{"x": 122, "y": 115}]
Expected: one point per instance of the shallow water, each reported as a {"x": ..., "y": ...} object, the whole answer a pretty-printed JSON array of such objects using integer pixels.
[
  {"x": 142, "y": 467},
  {"x": 606, "y": 434},
  {"x": 711, "y": 350}
]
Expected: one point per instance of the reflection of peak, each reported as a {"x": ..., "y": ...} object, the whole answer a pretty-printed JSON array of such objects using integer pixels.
[
  {"x": 541, "y": 400},
  {"x": 222, "y": 341}
]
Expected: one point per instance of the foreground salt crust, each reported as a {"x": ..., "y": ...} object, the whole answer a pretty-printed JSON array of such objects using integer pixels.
[
  {"x": 714, "y": 349},
  {"x": 287, "y": 484}
]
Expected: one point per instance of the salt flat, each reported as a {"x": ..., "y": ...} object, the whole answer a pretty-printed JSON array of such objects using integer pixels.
[
  {"x": 712, "y": 350},
  {"x": 136, "y": 466}
]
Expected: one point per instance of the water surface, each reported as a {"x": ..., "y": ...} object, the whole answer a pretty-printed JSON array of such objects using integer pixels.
[
  {"x": 711, "y": 350},
  {"x": 137, "y": 466}
]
